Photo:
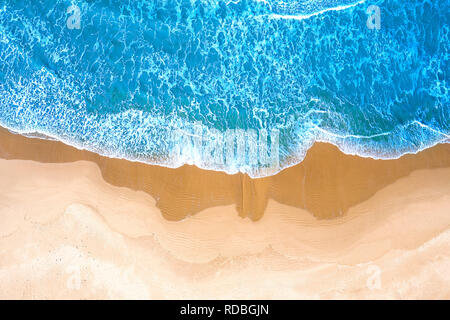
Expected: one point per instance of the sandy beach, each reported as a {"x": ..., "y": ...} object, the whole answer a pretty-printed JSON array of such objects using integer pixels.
[{"x": 78, "y": 225}]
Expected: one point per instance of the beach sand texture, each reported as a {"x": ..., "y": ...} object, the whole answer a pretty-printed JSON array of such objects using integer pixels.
[{"x": 78, "y": 225}]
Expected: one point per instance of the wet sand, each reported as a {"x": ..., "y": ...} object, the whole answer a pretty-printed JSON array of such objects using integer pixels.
[
  {"x": 76, "y": 224},
  {"x": 326, "y": 184}
]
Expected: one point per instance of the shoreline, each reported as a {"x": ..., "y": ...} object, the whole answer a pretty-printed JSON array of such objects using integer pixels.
[{"x": 263, "y": 172}]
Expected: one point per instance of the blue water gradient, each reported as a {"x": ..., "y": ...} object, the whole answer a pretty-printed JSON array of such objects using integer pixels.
[{"x": 139, "y": 71}]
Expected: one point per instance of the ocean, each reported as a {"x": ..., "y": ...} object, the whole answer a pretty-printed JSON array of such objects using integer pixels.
[{"x": 236, "y": 86}]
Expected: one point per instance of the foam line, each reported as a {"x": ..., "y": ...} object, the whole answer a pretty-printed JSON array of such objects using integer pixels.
[{"x": 307, "y": 16}]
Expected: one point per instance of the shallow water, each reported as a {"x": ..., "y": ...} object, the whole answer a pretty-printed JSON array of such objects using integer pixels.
[{"x": 227, "y": 85}]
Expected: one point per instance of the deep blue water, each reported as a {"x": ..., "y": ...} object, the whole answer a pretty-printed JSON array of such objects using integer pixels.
[{"x": 176, "y": 81}]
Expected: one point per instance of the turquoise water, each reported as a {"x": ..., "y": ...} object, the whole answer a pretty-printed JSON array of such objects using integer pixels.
[{"x": 227, "y": 85}]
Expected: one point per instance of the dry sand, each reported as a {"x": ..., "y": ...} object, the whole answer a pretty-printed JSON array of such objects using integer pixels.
[{"x": 74, "y": 224}]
